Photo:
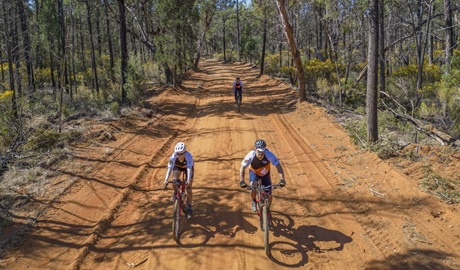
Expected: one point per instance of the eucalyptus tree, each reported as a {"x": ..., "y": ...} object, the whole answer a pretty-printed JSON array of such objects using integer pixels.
[
  {"x": 24, "y": 18},
  {"x": 449, "y": 33},
  {"x": 7, "y": 21},
  {"x": 372, "y": 72},
  {"x": 207, "y": 10},
  {"x": 287, "y": 28}
]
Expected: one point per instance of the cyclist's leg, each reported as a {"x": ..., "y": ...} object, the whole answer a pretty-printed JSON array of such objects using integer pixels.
[
  {"x": 241, "y": 96},
  {"x": 176, "y": 176},
  {"x": 236, "y": 95},
  {"x": 253, "y": 181},
  {"x": 266, "y": 181}
]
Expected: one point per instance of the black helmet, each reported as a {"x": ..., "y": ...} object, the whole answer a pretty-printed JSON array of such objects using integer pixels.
[{"x": 260, "y": 144}]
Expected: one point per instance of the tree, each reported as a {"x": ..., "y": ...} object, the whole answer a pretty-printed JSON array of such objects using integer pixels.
[
  {"x": 372, "y": 72},
  {"x": 208, "y": 11},
  {"x": 288, "y": 32},
  {"x": 123, "y": 50},
  {"x": 449, "y": 33}
]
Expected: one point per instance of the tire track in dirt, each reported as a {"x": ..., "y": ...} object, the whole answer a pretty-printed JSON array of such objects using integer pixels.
[
  {"x": 137, "y": 176},
  {"x": 70, "y": 197},
  {"x": 374, "y": 226}
]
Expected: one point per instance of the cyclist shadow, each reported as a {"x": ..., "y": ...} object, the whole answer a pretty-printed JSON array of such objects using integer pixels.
[
  {"x": 302, "y": 239},
  {"x": 209, "y": 222}
]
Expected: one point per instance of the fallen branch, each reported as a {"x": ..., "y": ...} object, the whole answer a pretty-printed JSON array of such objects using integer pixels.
[
  {"x": 377, "y": 193},
  {"x": 442, "y": 138}
]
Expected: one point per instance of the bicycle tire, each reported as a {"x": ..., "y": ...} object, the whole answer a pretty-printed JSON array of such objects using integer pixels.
[
  {"x": 176, "y": 220},
  {"x": 266, "y": 230}
]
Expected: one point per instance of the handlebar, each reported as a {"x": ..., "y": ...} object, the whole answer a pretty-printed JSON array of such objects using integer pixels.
[
  {"x": 177, "y": 182},
  {"x": 264, "y": 188}
]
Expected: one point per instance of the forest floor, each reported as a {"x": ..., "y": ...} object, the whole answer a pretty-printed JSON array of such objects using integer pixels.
[{"x": 342, "y": 206}]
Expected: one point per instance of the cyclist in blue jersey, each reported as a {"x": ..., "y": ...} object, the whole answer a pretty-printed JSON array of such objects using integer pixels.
[
  {"x": 258, "y": 160},
  {"x": 181, "y": 161}
]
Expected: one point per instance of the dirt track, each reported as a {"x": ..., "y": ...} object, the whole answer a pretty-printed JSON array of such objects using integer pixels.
[{"x": 341, "y": 208}]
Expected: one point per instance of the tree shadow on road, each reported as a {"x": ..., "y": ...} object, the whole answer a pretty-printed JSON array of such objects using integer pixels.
[
  {"x": 414, "y": 259},
  {"x": 302, "y": 239}
]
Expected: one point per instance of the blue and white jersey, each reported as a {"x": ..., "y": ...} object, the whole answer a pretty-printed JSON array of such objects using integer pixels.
[{"x": 260, "y": 167}]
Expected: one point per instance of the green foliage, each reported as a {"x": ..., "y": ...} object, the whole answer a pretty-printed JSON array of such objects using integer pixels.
[
  {"x": 272, "y": 64},
  {"x": 286, "y": 70},
  {"x": 42, "y": 76},
  {"x": 43, "y": 139},
  {"x": 431, "y": 72},
  {"x": 316, "y": 69}
]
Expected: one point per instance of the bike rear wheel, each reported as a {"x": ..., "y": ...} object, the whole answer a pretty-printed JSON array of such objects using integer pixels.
[
  {"x": 238, "y": 101},
  {"x": 266, "y": 227},
  {"x": 176, "y": 220}
]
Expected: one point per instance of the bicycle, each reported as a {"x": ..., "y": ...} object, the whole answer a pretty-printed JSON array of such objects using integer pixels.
[
  {"x": 180, "y": 206},
  {"x": 238, "y": 99},
  {"x": 263, "y": 210}
]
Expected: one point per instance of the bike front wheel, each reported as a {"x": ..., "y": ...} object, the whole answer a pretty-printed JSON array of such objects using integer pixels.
[
  {"x": 266, "y": 227},
  {"x": 176, "y": 220}
]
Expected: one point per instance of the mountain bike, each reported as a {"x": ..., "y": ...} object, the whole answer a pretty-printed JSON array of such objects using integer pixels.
[
  {"x": 238, "y": 99},
  {"x": 263, "y": 210},
  {"x": 180, "y": 206}
]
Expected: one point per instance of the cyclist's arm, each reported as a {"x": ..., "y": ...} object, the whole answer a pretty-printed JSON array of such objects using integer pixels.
[
  {"x": 280, "y": 171},
  {"x": 245, "y": 163},
  {"x": 170, "y": 167},
  {"x": 190, "y": 163},
  {"x": 242, "y": 170}
]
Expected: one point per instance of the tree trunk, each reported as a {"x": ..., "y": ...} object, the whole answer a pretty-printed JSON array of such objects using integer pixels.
[
  {"x": 449, "y": 33},
  {"x": 223, "y": 39},
  {"x": 6, "y": 28},
  {"x": 123, "y": 50},
  {"x": 93, "y": 54},
  {"x": 372, "y": 73},
  {"x": 209, "y": 13},
  {"x": 293, "y": 46},
  {"x": 238, "y": 40},
  {"x": 16, "y": 52},
  {"x": 26, "y": 44},
  {"x": 264, "y": 42},
  {"x": 382, "y": 45},
  {"x": 109, "y": 40}
]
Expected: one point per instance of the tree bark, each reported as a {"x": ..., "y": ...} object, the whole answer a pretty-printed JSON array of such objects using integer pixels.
[
  {"x": 238, "y": 40},
  {"x": 26, "y": 44},
  {"x": 109, "y": 41},
  {"x": 123, "y": 50},
  {"x": 372, "y": 73},
  {"x": 294, "y": 51},
  {"x": 264, "y": 42},
  {"x": 6, "y": 27},
  {"x": 449, "y": 33},
  {"x": 93, "y": 54}
]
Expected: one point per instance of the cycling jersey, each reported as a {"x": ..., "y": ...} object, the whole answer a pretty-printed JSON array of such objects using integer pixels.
[
  {"x": 175, "y": 161},
  {"x": 260, "y": 167}
]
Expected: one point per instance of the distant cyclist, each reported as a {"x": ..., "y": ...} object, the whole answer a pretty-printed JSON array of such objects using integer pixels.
[
  {"x": 258, "y": 160},
  {"x": 238, "y": 87},
  {"x": 181, "y": 161}
]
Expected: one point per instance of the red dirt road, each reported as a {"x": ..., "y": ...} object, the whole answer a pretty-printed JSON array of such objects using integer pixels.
[{"x": 342, "y": 207}]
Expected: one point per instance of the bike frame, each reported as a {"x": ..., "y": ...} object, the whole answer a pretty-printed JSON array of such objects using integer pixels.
[
  {"x": 263, "y": 210},
  {"x": 238, "y": 99},
  {"x": 180, "y": 205}
]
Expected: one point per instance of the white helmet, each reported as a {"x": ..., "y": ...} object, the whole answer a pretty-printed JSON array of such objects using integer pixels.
[{"x": 179, "y": 148}]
